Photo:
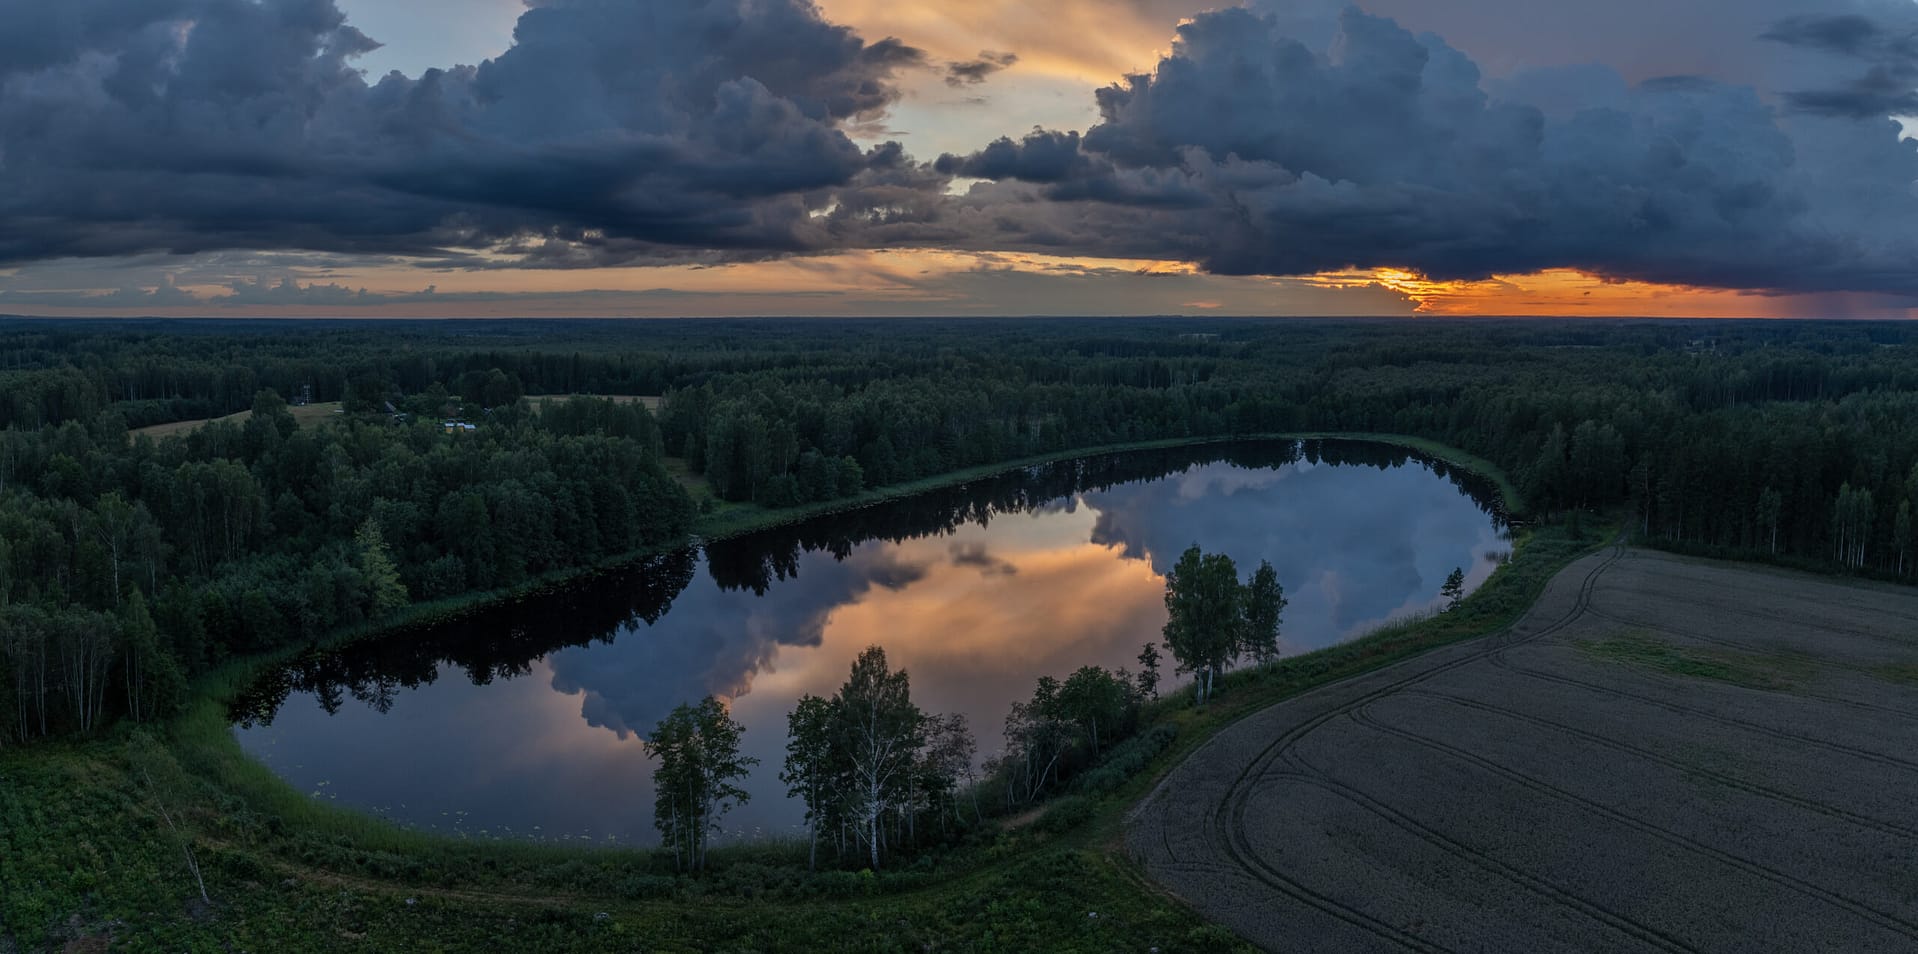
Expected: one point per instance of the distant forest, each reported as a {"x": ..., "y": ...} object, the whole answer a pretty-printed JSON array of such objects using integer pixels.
[{"x": 129, "y": 564}]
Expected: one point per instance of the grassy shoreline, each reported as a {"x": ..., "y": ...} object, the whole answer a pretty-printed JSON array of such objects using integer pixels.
[{"x": 1019, "y": 890}]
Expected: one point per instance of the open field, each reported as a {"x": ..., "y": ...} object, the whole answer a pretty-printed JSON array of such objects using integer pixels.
[
  {"x": 306, "y": 414},
  {"x": 1664, "y": 754}
]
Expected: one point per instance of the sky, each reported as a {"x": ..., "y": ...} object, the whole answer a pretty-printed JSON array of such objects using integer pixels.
[{"x": 1714, "y": 158}]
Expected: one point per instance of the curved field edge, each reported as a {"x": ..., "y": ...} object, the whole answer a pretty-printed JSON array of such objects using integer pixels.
[{"x": 101, "y": 836}]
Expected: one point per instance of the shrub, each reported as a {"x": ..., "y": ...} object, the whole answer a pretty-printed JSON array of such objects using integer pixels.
[
  {"x": 1125, "y": 760},
  {"x": 1066, "y": 814},
  {"x": 840, "y": 884}
]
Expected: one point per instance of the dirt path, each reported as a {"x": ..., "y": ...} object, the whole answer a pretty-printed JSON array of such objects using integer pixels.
[{"x": 1664, "y": 754}]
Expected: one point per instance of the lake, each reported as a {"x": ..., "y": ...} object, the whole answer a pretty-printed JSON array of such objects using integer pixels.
[{"x": 523, "y": 720}]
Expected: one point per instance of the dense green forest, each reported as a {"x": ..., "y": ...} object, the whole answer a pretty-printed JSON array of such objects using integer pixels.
[{"x": 129, "y": 564}]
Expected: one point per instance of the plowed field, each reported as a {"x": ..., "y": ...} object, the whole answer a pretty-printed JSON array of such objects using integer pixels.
[{"x": 1664, "y": 754}]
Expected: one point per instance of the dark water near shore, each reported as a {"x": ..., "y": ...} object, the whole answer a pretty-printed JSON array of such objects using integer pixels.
[{"x": 522, "y": 720}]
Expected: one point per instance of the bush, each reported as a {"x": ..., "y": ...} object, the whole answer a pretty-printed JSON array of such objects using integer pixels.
[
  {"x": 841, "y": 884},
  {"x": 1066, "y": 814},
  {"x": 1125, "y": 760},
  {"x": 442, "y": 578}
]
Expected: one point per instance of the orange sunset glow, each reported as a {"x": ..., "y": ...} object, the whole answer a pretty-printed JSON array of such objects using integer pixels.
[{"x": 1566, "y": 293}]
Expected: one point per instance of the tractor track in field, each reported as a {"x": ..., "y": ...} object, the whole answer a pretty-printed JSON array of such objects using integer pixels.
[{"x": 1720, "y": 778}]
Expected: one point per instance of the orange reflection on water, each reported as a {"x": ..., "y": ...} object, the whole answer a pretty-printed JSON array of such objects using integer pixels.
[{"x": 987, "y": 622}]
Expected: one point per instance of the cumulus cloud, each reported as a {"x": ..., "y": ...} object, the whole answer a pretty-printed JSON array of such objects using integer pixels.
[
  {"x": 182, "y": 125},
  {"x": 1302, "y": 137},
  {"x": 1886, "y": 54}
]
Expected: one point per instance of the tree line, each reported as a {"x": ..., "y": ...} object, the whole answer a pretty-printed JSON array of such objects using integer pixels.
[
  {"x": 128, "y": 565},
  {"x": 1793, "y": 441}
]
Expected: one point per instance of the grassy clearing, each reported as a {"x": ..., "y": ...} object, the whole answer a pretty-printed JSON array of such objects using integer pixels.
[
  {"x": 91, "y": 858},
  {"x": 1750, "y": 670},
  {"x": 695, "y": 484},
  {"x": 307, "y": 415}
]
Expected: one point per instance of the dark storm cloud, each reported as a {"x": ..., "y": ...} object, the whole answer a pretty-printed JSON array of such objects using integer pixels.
[
  {"x": 975, "y": 71},
  {"x": 715, "y": 641},
  {"x": 1886, "y": 58},
  {"x": 1844, "y": 33},
  {"x": 1042, "y": 156},
  {"x": 1292, "y": 137},
  {"x": 1297, "y": 138},
  {"x": 187, "y": 125}
]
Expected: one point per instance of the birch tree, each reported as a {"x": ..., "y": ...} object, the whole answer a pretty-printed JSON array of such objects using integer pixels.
[
  {"x": 696, "y": 782},
  {"x": 1037, "y": 736},
  {"x": 152, "y": 676},
  {"x": 1901, "y": 529},
  {"x": 1264, "y": 609},
  {"x": 1771, "y": 508},
  {"x": 1205, "y": 619},
  {"x": 24, "y": 648},
  {"x": 85, "y": 650},
  {"x": 810, "y": 765},
  {"x": 882, "y": 732},
  {"x": 950, "y": 759},
  {"x": 1851, "y": 525},
  {"x": 376, "y": 565},
  {"x": 1095, "y": 701},
  {"x": 115, "y": 524}
]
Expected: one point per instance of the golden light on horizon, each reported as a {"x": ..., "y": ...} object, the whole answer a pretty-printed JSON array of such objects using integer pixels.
[
  {"x": 929, "y": 281},
  {"x": 1561, "y": 292}
]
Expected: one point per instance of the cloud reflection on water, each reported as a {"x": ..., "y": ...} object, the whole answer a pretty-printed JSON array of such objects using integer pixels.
[
  {"x": 1353, "y": 545},
  {"x": 716, "y": 641},
  {"x": 975, "y": 599}
]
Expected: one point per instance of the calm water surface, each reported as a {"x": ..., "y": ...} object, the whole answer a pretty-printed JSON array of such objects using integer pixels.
[{"x": 524, "y": 720}]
